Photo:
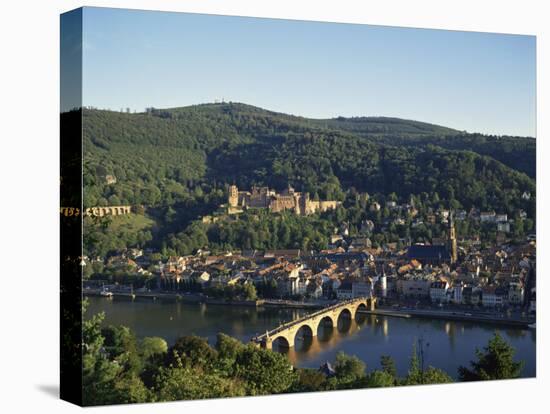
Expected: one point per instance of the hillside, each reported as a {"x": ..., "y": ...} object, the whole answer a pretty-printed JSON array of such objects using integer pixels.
[
  {"x": 224, "y": 143},
  {"x": 379, "y": 126},
  {"x": 178, "y": 162}
]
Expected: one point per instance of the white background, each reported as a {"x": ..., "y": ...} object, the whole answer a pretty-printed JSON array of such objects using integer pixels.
[{"x": 29, "y": 163}]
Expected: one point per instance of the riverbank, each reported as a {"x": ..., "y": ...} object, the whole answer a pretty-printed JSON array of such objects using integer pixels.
[
  {"x": 195, "y": 298},
  {"x": 452, "y": 316},
  {"x": 288, "y": 304}
]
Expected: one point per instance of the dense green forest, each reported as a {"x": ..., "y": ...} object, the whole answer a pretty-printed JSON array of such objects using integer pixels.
[
  {"x": 516, "y": 152},
  {"x": 177, "y": 163}
]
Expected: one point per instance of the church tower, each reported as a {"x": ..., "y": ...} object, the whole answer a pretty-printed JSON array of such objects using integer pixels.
[{"x": 451, "y": 243}]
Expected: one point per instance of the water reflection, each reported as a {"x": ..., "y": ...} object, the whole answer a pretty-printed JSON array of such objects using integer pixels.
[
  {"x": 452, "y": 343},
  {"x": 328, "y": 337}
]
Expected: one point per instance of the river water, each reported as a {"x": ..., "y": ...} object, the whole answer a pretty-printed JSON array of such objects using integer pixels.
[{"x": 447, "y": 344}]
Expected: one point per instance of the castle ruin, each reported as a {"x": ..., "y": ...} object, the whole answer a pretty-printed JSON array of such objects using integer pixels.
[{"x": 263, "y": 197}]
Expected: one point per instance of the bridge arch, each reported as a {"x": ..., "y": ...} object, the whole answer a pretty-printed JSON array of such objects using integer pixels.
[
  {"x": 282, "y": 342},
  {"x": 325, "y": 327},
  {"x": 346, "y": 312},
  {"x": 306, "y": 330},
  {"x": 344, "y": 320},
  {"x": 304, "y": 335},
  {"x": 327, "y": 320},
  {"x": 361, "y": 307}
]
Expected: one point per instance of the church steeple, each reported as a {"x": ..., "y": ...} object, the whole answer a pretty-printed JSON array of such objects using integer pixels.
[{"x": 451, "y": 242}]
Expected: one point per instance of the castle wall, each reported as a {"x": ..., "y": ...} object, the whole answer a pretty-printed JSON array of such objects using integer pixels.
[
  {"x": 328, "y": 205},
  {"x": 108, "y": 211},
  {"x": 259, "y": 197},
  {"x": 280, "y": 203},
  {"x": 322, "y": 206}
]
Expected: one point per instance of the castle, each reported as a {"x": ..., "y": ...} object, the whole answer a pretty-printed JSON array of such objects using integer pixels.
[{"x": 263, "y": 197}]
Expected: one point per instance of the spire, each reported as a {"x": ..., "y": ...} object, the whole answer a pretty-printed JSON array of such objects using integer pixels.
[{"x": 451, "y": 242}]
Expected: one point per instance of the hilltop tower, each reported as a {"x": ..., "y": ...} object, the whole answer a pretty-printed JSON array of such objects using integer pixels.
[
  {"x": 451, "y": 243},
  {"x": 233, "y": 198}
]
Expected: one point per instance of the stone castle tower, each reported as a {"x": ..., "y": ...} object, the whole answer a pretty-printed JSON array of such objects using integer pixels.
[
  {"x": 233, "y": 198},
  {"x": 452, "y": 239}
]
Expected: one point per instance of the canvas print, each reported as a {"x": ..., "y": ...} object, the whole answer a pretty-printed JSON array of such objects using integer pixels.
[{"x": 263, "y": 206}]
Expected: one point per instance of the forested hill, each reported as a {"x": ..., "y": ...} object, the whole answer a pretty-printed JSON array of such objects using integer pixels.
[
  {"x": 516, "y": 152},
  {"x": 380, "y": 126},
  {"x": 169, "y": 155}
]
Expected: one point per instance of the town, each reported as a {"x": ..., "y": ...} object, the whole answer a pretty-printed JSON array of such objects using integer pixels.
[{"x": 446, "y": 273}]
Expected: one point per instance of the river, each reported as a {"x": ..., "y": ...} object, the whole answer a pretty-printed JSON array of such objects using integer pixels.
[{"x": 447, "y": 344}]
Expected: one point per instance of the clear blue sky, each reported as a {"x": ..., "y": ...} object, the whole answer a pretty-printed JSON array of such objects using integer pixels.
[{"x": 477, "y": 82}]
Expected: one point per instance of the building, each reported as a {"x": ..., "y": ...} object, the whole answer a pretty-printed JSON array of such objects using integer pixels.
[
  {"x": 362, "y": 289},
  {"x": 264, "y": 197},
  {"x": 467, "y": 295},
  {"x": 414, "y": 287},
  {"x": 438, "y": 291},
  {"x": 203, "y": 278},
  {"x": 288, "y": 280},
  {"x": 487, "y": 216},
  {"x": 457, "y": 293},
  {"x": 516, "y": 294},
  {"x": 285, "y": 253},
  {"x": 493, "y": 296},
  {"x": 503, "y": 227},
  {"x": 344, "y": 291},
  {"x": 471, "y": 295},
  {"x": 501, "y": 218},
  {"x": 383, "y": 285},
  {"x": 315, "y": 289},
  {"x": 437, "y": 254},
  {"x": 427, "y": 254}
]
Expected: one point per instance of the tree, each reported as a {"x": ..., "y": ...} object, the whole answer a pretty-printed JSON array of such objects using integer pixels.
[
  {"x": 184, "y": 383},
  {"x": 377, "y": 379},
  {"x": 310, "y": 380},
  {"x": 192, "y": 349},
  {"x": 121, "y": 346},
  {"x": 496, "y": 361},
  {"x": 228, "y": 348},
  {"x": 249, "y": 291},
  {"x": 263, "y": 371},
  {"x": 349, "y": 371},
  {"x": 106, "y": 380},
  {"x": 153, "y": 345},
  {"x": 130, "y": 389},
  {"x": 418, "y": 375},
  {"x": 436, "y": 376},
  {"x": 388, "y": 365},
  {"x": 98, "y": 373}
]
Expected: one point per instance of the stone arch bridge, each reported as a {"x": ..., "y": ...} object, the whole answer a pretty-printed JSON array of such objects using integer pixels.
[{"x": 310, "y": 323}]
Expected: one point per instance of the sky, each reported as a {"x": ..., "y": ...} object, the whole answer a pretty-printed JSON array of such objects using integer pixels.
[{"x": 478, "y": 82}]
